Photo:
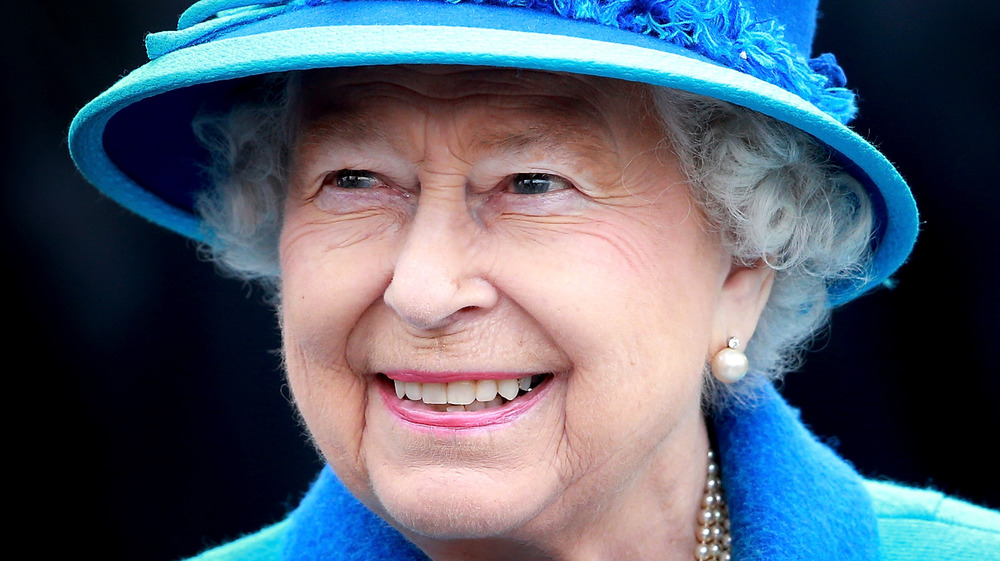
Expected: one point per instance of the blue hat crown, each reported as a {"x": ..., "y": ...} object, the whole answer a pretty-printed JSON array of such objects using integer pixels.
[{"x": 768, "y": 39}]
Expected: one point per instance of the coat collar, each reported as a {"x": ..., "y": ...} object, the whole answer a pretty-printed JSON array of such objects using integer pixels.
[{"x": 790, "y": 497}]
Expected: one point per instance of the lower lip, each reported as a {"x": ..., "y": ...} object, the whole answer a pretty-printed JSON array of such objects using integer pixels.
[{"x": 494, "y": 416}]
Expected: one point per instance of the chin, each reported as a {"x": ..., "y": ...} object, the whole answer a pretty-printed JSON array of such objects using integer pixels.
[{"x": 452, "y": 505}]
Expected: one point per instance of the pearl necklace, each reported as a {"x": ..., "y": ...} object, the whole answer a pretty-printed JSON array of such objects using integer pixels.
[{"x": 714, "y": 541}]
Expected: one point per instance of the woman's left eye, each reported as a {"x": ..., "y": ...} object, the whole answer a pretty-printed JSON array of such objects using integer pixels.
[
  {"x": 537, "y": 183},
  {"x": 352, "y": 179}
]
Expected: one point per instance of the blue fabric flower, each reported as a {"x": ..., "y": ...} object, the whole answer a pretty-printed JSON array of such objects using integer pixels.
[{"x": 826, "y": 64}]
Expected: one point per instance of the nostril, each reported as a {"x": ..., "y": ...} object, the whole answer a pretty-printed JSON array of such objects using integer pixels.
[{"x": 476, "y": 293}]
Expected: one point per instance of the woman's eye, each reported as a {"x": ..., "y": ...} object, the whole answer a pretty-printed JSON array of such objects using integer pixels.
[
  {"x": 352, "y": 179},
  {"x": 537, "y": 183}
]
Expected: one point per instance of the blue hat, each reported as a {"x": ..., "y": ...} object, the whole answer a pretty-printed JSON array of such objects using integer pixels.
[{"x": 135, "y": 142}]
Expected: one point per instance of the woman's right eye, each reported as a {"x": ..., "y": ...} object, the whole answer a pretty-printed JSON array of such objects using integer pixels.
[{"x": 352, "y": 179}]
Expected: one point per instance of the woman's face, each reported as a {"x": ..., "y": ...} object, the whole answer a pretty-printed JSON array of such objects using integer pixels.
[{"x": 451, "y": 231}]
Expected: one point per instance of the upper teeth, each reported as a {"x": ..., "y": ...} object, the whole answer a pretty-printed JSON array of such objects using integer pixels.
[{"x": 463, "y": 392}]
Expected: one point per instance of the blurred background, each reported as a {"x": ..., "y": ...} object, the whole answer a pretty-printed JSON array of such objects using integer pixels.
[{"x": 154, "y": 422}]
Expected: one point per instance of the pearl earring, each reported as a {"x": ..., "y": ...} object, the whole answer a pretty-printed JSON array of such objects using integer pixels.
[{"x": 730, "y": 364}]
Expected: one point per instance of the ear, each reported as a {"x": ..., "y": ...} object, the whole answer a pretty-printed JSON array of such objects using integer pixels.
[{"x": 741, "y": 301}]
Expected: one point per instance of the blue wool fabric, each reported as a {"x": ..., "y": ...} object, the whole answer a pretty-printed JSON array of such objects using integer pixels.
[
  {"x": 790, "y": 498},
  {"x": 789, "y": 493}
]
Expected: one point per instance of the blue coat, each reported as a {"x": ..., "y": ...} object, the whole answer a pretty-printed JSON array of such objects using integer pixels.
[{"x": 789, "y": 496}]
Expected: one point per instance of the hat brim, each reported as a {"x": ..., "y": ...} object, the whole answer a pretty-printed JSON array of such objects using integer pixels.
[{"x": 135, "y": 144}]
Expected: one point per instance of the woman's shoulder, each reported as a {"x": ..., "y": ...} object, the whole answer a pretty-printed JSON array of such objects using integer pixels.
[
  {"x": 263, "y": 545},
  {"x": 925, "y": 525}
]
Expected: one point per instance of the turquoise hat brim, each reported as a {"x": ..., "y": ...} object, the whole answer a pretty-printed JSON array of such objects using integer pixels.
[{"x": 132, "y": 143}]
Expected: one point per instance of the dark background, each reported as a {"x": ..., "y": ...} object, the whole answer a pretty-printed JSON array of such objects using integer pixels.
[{"x": 152, "y": 420}]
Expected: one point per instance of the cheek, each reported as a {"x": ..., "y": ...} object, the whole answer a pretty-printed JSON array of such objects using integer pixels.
[
  {"x": 616, "y": 278},
  {"x": 327, "y": 285},
  {"x": 323, "y": 294},
  {"x": 633, "y": 308}
]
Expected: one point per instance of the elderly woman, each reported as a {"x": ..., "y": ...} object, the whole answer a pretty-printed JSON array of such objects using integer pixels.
[{"x": 536, "y": 265}]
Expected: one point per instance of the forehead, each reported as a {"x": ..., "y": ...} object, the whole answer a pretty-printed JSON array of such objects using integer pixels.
[{"x": 509, "y": 107}]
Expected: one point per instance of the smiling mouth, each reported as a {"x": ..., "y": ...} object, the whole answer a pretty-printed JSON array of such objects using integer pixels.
[{"x": 466, "y": 395}]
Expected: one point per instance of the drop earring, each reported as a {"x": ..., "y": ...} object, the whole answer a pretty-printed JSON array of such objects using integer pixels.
[{"x": 730, "y": 364}]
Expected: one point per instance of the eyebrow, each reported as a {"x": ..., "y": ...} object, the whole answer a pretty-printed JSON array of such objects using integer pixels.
[
  {"x": 551, "y": 137},
  {"x": 334, "y": 126},
  {"x": 552, "y": 132},
  {"x": 560, "y": 130}
]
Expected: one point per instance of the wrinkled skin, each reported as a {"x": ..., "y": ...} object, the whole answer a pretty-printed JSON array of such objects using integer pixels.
[{"x": 436, "y": 256}]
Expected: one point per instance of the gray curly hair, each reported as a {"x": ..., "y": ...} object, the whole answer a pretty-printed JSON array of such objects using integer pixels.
[{"x": 770, "y": 191}]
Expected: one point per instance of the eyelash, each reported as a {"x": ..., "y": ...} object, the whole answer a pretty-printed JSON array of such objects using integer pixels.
[
  {"x": 350, "y": 179},
  {"x": 338, "y": 178}
]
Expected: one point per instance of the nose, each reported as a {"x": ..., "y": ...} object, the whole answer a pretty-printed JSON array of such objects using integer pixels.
[{"x": 439, "y": 270}]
